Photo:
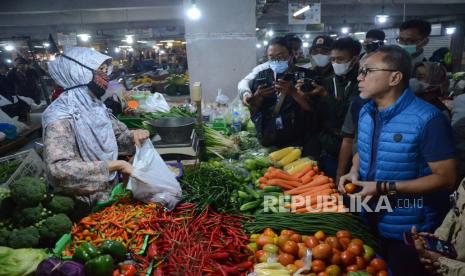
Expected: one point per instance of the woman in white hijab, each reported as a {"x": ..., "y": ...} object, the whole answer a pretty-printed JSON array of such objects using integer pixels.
[{"x": 81, "y": 136}]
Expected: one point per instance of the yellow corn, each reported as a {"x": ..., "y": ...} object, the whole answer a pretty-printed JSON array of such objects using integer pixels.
[
  {"x": 291, "y": 157},
  {"x": 300, "y": 167},
  {"x": 279, "y": 154},
  {"x": 295, "y": 163}
]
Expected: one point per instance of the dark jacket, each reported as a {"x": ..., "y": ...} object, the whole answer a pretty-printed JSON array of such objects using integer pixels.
[{"x": 25, "y": 84}]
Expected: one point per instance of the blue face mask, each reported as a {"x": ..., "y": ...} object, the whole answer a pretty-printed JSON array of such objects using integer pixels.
[
  {"x": 411, "y": 49},
  {"x": 279, "y": 66}
]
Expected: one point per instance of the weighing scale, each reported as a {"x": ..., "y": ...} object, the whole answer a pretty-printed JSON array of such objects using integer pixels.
[{"x": 187, "y": 151}]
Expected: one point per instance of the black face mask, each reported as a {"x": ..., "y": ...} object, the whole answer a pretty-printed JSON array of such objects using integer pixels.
[
  {"x": 98, "y": 83},
  {"x": 373, "y": 46}
]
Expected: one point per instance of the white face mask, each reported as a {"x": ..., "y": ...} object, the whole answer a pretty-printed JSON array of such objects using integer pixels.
[
  {"x": 418, "y": 86},
  {"x": 321, "y": 60},
  {"x": 341, "y": 69}
]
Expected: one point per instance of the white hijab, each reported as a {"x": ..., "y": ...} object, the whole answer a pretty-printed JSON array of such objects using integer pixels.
[{"x": 90, "y": 118}]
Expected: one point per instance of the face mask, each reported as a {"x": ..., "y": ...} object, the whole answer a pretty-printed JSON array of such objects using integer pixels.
[
  {"x": 341, "y": 69},
  {"x": 279, "y": 66},
  {"x": 373, "y": 46},
  {"x": 418, "y": 86},
  {"x": 411, "y": 49},
  {"x": 321, "y": 60}
]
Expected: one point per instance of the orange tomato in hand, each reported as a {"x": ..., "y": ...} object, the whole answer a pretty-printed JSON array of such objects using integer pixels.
[{"x": 350, "y": 188}]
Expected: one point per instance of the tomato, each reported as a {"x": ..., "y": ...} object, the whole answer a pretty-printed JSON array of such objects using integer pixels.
[
  {"x": 322, "y": 251},
  {"x": 323, "y": 273},
  {"x": 369, "y": 253},
  {"x": 285, "y": 259},
  {"x": 251, "y": 248},
  {"x": 282, "y": 240},
  {"x": 264, "y": 258},
  {"x": 287, "y": 233},
  {"x": 296, "y": 237},
  {"x": 269, "y": 232},
  {"x": 348, "y": 258},
  {"x": 357, "y": 241},
  {"x": 382, "y": 273},
  {"x": 371, "y": 270},
  {"x": 355, "y": 248},
  {"x": 333, "y": 242},
  {"x": 378, "y": 264},
  {"x": 312, "y": 242},
  {"x": 292, "y": 268},
  {"x": 320, "y": 235},
  {"x": 333, "y": 270},
  {"x": 318, "y": 266},
  {"x": 344, "y": 242},
  {"x": 259, "y": 253},
  {"x": 271, "y": 248},
  {"x": 350, "y": 188},
  {"x": 336, "y": 259},
  {"x": 299, "y": 263},
  {"x": 262, "y": 240},
  {"x": 343, "y": 234},
  {"x": 304, "y": 238},
  {"x": 352, "y": 268},
  {"x": 290, "y": 247},
  {"x": 360, "y": 262},
  {"x": 254, "y": 237},
  {"x": 302, "y": 250}
]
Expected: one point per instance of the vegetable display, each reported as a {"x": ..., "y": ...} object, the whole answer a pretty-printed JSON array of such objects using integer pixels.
[
  {"x": 7, "y": 169},
  {"x": 18, "y": 262}
]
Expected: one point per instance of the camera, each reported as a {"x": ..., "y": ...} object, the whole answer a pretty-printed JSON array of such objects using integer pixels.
[
  {"x": 263, "y": 81},
  {"x": 308, "y": 86}
]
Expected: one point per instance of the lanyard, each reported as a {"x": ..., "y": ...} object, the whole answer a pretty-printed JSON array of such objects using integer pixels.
[{"x": 335, "y": 88}]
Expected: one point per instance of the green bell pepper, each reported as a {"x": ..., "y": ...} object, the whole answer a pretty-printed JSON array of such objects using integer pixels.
[
  {"x": 85, "y": 252},
  {"x": 115, "y": 248},
  {"x": 100, "y": 266}
]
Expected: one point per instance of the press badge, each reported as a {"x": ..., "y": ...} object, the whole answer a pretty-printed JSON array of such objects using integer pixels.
[{"x": 279, "y": 123}]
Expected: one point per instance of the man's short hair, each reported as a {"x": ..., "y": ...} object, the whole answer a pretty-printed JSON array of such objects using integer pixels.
[
  {"x": 293, "y": 38},
  {"x": 423, "y": 27},
  {"x": 21, "y": 60},
  {"x": 348, "y": 44},
  {"x": 398, "y": 59},
  {"x": 376, "y": 34},
  {"x": 281, "y": 41}
]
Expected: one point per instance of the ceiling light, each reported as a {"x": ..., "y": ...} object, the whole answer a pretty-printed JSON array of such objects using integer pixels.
[
  {"x": 302, "y": 10},
  {"x": 9, "y": 47},
  {"x": 360, "y": 33},
  {"x": 307, "y": 36},
  {"x": 46, "y": 44},
  {"x": 270, "y": 33},
  {"x": 305, "y": 44},
  {"x": 361, "y": 40},
  {"x": 345, "y": 30},
  {"x": 106, "y": 51},
  {"x": 142, "y": 41},
  {"x": 450, "y": 30},
  {"x": 8, "y": 60},
  {"x": 381, "y": 18},
  {"x": 167, "y": 41},
  {"x": 162, "y": 52},
  {"x": 333, "y": 35},
  {"x": 169, "y": 45},
  {"x": 184, "y": 43},
  {"x": 117, "y": 49},
  {"x": 84, "y": 37},
  {"x": 129, "y": 39},
  {"x": 257, "y": 29},
  {"x": 131, "y": 50},
  {"x": 265, "y": 43},
  {"x": 193, "y": 12},
  {"x": 259, "y": 45}
]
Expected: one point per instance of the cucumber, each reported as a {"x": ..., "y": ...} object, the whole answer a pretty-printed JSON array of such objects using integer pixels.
[
  {"x": 272, "y": 189},
  {"x": 243, "y": 195},
  {"x": 252, "y": 192},
  {"x": 250, "y": 205}
]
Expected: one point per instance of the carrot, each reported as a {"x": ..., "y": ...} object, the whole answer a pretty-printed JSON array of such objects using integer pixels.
[
  {"x": 306, "y": 169},
  {"x": 262, "y": 185},
  {"x": 281, "y": 183},
  {"x": 315, "y": 183},
  {"x": 268, "y": 175},
  {"x": 326, "y": 191},
  {"x": 262, "y": 180},
  {"x": 284, "y": 175},
  {"x": 308, "y": 177},
  {"x": 315, "y": 169}
]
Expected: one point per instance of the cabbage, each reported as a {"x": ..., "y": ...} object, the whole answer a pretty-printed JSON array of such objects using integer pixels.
[{"x": 23, "y": 261}]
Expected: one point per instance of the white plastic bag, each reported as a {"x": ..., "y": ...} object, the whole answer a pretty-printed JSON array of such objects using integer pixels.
[
  {"x": 151, "y": 180},
  {"x": 156, "y": 103},
  {"x": 20, "y": 127}
]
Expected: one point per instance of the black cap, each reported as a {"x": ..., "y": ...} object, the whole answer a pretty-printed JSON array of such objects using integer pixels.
[{"x": 323, "y": 41}]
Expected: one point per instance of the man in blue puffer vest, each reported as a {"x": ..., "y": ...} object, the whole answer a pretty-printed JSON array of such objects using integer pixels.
[{"x": 405, "y": 152}]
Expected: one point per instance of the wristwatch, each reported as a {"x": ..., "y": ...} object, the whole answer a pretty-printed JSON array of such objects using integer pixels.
[{"x": 392, "y": 188}]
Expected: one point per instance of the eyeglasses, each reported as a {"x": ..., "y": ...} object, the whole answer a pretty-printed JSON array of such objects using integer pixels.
[
  {"x": 408, "y": 41},
  {"x": 364, "y": 71}
]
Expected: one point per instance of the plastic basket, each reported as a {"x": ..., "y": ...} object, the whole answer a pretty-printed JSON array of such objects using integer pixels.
[{"x": 31, "y": 165}]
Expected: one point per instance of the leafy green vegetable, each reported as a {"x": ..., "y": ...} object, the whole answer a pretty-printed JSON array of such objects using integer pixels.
[
  {"x": 28, "y": 191},
  {"x": 25, "y": 237},
  {"x": 28, "y": 216},
  {"x": 7, "y": 169},
  {"x": 18, "y": 262},
  {"x": 61, "y": 204},
  {"x": 54, "y": 227}
]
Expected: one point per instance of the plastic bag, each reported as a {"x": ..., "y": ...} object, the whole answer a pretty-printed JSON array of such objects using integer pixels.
[
  {"x": 20, "y": 127},
  {"x": 156, "y": 103},
  {"x": 152, "y": 180}
]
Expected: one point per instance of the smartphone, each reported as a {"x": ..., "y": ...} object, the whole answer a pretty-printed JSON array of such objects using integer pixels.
[
  {"x": 262, "y": 81},
  {"x": 288, "y": 77},
  {"x": 433, "y": 244}
]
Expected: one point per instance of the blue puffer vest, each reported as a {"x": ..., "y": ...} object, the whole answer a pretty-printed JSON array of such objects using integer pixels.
[{"x": 398, "y": 158}]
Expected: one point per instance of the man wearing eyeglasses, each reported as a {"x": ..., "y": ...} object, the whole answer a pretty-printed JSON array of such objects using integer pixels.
[
  {"x": 405, "y": 152},
  {"x": 413, "y": 37}
]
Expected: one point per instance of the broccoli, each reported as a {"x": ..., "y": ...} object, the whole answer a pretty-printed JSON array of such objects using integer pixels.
[
  {"x": 4, "y": 233},
  {"x": 28, "y": 216},
  {"x": 6, "y": 206},
  {"x": 28, "y": 191},
  {"x": 61, "y": 204},
  {"x": 24, "y": 238},
  {"x": 54, "y": 227}
]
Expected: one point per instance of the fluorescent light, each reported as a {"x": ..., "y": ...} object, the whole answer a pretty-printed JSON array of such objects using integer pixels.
[
  {"x": 46, "y": 44},
  {"x": 450, "y": 30},
  {"x": 193, "y": 12},
  {"x": 131, "y": 50},
  {"x": 381, "y": 18},
  {"x": 265, "y": 42},
  {"x": 305, "y": 44},
  {"x": 155, "y": 47},
  {"x": 345, "y": 30},
  {"x": 259, "y": 45},
  {"x": 302, "y": 10},
  {"x": 270, "y": 33},
  {"x": 307, "y": 36},
  {"x": 162, "y": 52},
  {"x": 129, "y": 39},
  {"x": 361, "y": 40},
  {"x": 169, "y": 44},
  {"x": 84, "y": 37},
  {"x": 142, "y": 41},
  {"x": 38, "y": 46},
  {"x": 9, "y": 47},
  {"x": 167, "y": 41},
  {"x": 360, "y": 33},
  {"x": 117, "y": 49},
  {"x": 8, "y": 60},
  {"x": 184, "y": 43},
  {"x": 257, "y": 29},
  {"x": 333, "y": 35},
  {"x": 106, "y": 51}
]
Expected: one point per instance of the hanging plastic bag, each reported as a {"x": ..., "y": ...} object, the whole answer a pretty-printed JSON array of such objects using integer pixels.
[
  {"x": 151, "y": 180},
  {"x": 156, "y": 103},
  {"x": 20, "y": 127}
]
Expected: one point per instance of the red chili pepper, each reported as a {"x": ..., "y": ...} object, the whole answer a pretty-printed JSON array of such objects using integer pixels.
[
  {"x": 245, "y": 265},
  {"x": 128, "y": 270},
  {"x": 116, "y": 272}
]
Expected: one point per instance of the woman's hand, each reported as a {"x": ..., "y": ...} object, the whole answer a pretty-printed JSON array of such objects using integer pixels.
[
  {"x": 139, "y": 135},
  {"x": 428, "y": 258},
  {"x": 352, "y": 176},
  {"x": 121, "y": 166}
]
